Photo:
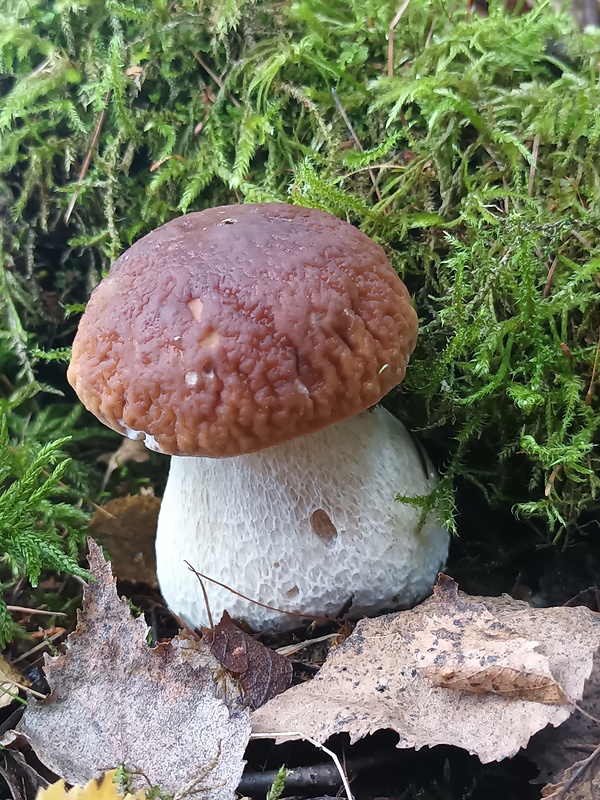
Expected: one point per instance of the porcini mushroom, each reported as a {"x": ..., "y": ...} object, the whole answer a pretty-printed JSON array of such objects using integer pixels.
[{"x": 249, "y": 343}]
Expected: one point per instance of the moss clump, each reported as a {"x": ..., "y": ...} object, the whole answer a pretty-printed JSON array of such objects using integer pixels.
[{"x": 474, "y": 164}]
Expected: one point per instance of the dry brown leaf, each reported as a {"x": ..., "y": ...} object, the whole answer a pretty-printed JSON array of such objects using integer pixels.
[
  {"x": 9, "y": 677},
  {"x": 262, "y": 672},
  {"x": 126, "y": 526},
  {"x": 464, "y": 648},
  {"x": 580, "y": 782},
  {"x": 105, "y": 789},
  {"x": 374, "y": 679},
  {"x": 114, "y": 700}
]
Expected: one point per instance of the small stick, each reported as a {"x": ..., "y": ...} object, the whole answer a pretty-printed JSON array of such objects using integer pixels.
[
  {"x": 330, "y": 753},
  {"x": 565, "y": 789},
  {"x": 350, "y": 127},
  {"x": 206, "y": 603},
  {"x": 39, "y": 646},
  {"x": 290, "y": 649},
  {"x": 391, "y": 29},
  {"x": 88, "y": 158},
  {"x": 551, "y": 270},
  {"x": 589, "y": 15},
  {"x": 566, "y": 351},
  {"x": 215, "y": 78},
  {"x": 574, "y": 185},
  {"x": 22, "y": 686},
  {"x": 534, "y": 157},
  {"x": 159, "y": 163},
  {"x": 373, "y": 166},
  {"x": 430, "y": 35},
  {"x": 581, "y": 239},
  {"x": 323, "y": 774},
  {"x": 37, "y": 611},
  {"x": 553, "y": 476},
  {"x": 256, "y": 602},
  {"x": 590, "y": 392}
]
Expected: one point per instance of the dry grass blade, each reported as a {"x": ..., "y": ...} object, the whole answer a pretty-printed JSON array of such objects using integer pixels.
[
  {"x": 215, "y": 78},
  {"x": 392, "y": 28},
  {"x": 534, "y": 157},
  {"x": 590, "y": 392},
  {"x": 88, "y": 158},
  {"x": 26, "y": 610},
  {"x": 551, "y": 271},
  {"x": 40, "y": 646},
  {"x": 355, "y": 138}
]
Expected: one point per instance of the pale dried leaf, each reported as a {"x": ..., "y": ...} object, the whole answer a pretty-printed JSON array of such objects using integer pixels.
[
  {"x": 126, "y": 527},
  {"x": 580, "y": 782},
  {"x": 129, "y": 450},
  {"x": 375, "y": 680},
  {"x": 106, "y": 789},
  {"x": 9, "y": 677},
  {"x": 464, "y": 648},
  {"x": 114, "y": 700}
]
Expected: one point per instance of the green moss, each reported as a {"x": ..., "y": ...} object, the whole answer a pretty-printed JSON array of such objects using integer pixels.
[
  {"x": 477, "y": 172},
  {"x": 39, "y": 528}
]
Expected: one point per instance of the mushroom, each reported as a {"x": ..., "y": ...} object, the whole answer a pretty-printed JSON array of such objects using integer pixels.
[{"x": 250, "y": 343}]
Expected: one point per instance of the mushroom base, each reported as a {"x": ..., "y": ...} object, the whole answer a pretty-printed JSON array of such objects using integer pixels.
[{"x": 307, "y": 526}]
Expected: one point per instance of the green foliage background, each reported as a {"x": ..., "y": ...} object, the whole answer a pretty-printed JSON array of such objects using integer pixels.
[{"x": 475, "y": 164}]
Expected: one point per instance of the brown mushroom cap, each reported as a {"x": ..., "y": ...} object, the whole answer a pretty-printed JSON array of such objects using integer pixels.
[{"x": 241, "y": 327}]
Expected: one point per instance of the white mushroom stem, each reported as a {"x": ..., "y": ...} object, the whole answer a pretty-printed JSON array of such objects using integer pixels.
[{"x": 304, "y": 526}]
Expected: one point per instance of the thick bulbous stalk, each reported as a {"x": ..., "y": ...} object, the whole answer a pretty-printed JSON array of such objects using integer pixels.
[{"x": 304, "y": 526}]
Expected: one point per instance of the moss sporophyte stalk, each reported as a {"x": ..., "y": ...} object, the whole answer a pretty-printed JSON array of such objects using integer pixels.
[{"x": 471, "y": 158}]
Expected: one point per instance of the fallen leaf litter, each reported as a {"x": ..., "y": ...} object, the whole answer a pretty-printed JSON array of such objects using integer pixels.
[
  {"x": 384, "y": 676},
  {"x": 170, "y": 714},
  {"x": 479, "y": 673}
]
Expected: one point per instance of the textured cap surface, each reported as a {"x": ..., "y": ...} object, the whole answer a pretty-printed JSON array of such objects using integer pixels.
[{"x": 241, "y": 327}]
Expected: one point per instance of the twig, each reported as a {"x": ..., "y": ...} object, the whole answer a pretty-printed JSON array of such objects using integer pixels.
[
  {"x": 344, "y": 116},
  {"x": 551, "y": 271},
  {"x": 373, "y": 166},
  {"x": 589, "y": 15},
  {"x": 430, "y": 34},
  {"x": 565, "y": 789},
  {"x": 574, "y": 185},
  {"x": 39, "y": 646},
  {"x": 391, "y": 29},
  {"x": 553, "y": 476},
  {"x": 590, "y": 392},
  {"x": 290, "y": 649},
  {"x": 582, "y": 239},
  {"x": 22, "y": 686},
  {"x": 330, "y": 753},
  {"x": 256, "y": 602},
  {"x": 88, "y": 159},
  {"x": 206, "y": 603},
  {"x": 322, "y": 775},
  {"x": 37, "y": 611},
  {"x": 566, "y": 351},
  {"x": 161, "y": 161},
  {"x": 534, "y": 157},
  {"x": 216, "y": 79}
]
